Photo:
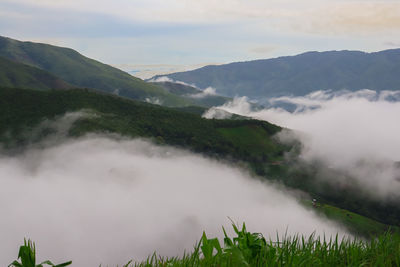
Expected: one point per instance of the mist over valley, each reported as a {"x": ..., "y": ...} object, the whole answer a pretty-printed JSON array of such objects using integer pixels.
[{"x": 283, "y": 152}]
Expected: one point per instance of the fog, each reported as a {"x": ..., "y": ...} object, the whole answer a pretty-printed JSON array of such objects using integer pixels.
[
  {"x": 102, "y": 199},
  {"x": 168, "y": 79},
  {"x": 357, "y": 132},
  {"x": 209, "y": 91}
]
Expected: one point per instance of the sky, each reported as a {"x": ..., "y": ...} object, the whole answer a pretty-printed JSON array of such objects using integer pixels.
[{"x": 147, "y": 36}]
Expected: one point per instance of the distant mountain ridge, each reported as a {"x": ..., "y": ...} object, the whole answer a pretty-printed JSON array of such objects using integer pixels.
[{"x": 301, "y": 74}]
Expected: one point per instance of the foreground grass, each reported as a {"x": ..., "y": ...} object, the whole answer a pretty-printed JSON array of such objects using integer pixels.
[
  {"x": 252, "y": 249},
  {"x": 27, "y": 257}
]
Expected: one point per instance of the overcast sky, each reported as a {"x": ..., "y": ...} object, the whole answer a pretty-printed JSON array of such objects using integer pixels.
[{"x": 159, "y": 35}]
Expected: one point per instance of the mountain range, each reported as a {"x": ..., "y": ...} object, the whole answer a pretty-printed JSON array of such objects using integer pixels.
[{"x": 300, "y": 75}]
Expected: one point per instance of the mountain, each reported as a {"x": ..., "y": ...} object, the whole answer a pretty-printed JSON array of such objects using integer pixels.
[
  {"x": 13, "y": 74},
  {"x": 205, "y": 98},
  {"x": 80, "y": 71},
  {"x": 301, "y": 74}
]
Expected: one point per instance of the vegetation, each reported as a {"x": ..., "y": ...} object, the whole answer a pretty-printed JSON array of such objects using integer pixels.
[
  {"x": 13, "y": 74},
  {"x": 27, "y": 255},
  {"x": 135, "y": 119},
  {"x": 301, "y": 74},
  {"x": 357, "y": 224},
  {"x": 319, "y": 181},
  {"x": 252, "y": 249}
]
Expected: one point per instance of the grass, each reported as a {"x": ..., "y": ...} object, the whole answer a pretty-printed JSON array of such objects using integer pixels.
[
  {"x": 250, "y": 136},
  {"x": 356, "y": 223},
  {"x": 252, "y": 249},
  {"x": 27, "y": 256}
]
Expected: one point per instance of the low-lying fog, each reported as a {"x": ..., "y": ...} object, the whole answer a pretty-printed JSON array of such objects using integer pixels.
[
  {"x": 357, "y": 132},
  {"x": 108, "y": 200}
]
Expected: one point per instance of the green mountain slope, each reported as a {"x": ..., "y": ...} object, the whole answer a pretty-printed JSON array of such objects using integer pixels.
[
  {"x": 13, "y": 74},
  {"x": 301, "y": 74},
  {"x": 136, "y": 119},
  {"x": 81, "y": 71}
]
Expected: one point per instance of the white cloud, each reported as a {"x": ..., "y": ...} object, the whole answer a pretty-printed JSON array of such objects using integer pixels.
[
  {"x": 239, "y": 105},
  {"x": 101, "y": 200},
  {"x": 353, "y": 131},
  {"x": 216, "y": 113},
  {"x": 153, "y": 100},
  {"x": 209, "y": 91},
  {"x": 163, "y": 79},
  {"x": 308, "y": 15}
]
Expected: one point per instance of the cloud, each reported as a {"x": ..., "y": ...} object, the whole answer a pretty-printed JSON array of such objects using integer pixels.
[
  {"x": 239, "y": 105},
  {"x": 356, "y": 17},
  {"x": 153, "y": 100},
  {"x": 263, "y": 49},
  {"x": 209, "y": 91},
  {"x": 164, "y": 79},
  {"x": 337, "y": 15},
  {"x": 355, "y": 132},
  {"x": 147, "y": 71},
  {"x": 106, "y": 200},
  {"x": 392, "y": 44},
  {"x": 161, "y": 79},
  {"x": 179, "y": 11},
  {"x": 216, "y": 113}
]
